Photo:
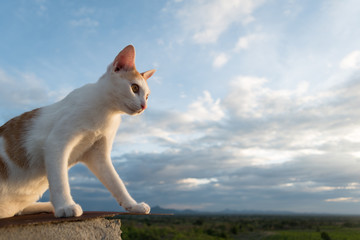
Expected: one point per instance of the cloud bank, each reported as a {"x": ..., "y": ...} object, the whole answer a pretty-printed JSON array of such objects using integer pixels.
[{"x": 290, "y": 146}]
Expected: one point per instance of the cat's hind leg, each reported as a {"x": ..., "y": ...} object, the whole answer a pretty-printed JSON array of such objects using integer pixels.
[
  {"x": 7, "y": 211},
  {"x": 38, "y": 207}
]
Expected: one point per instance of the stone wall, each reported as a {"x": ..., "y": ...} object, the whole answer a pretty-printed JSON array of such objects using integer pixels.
[{"x": 88, "y": 227}]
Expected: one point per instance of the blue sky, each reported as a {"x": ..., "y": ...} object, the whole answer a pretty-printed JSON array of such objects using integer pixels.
[{"x": 254, "y": 105}]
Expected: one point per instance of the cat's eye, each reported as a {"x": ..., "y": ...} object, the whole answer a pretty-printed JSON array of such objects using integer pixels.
[
  {"x": 147, "y": 96},
  {"x": 135, "y": 88}
]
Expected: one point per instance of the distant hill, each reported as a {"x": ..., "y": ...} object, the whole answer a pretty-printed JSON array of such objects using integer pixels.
[{"x": 158, "y": 209}]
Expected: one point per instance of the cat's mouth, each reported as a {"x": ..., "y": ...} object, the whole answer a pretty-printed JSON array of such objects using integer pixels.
[{"x": 134, "y": 111}]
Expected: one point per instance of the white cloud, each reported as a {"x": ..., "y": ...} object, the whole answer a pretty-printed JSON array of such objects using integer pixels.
[
  {"x": 354, "y": 135},
  {"x": 343, "y": 199},
  {"x": 311, "y": 186},
  {"x": 351, "y": 61},
  {"x": 207, "y": 20},
  {"x": 220, "y": 60},
  {"x": 25, "y": 91},
  {"x": 204, "y": 109},
  {"x": 266, "y": 156},
  {"x": 246, "y": 41},
  {"x": 189, "y": 183},
  {"x": 244, "y": 97},
  {"x": 306, "y": 186}
]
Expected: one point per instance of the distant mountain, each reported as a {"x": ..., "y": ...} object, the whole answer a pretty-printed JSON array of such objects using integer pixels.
[
  {"x": 160, "y": 210},
  {"x": 257, "y": 212}
]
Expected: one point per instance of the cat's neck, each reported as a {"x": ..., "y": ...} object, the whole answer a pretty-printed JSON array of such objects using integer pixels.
[
  {"x": 91, "y": 99},
  {"x": 103, "y": 97}
]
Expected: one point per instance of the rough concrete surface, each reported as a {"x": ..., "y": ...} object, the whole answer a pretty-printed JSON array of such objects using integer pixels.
[{"x": 98, "y": 228}]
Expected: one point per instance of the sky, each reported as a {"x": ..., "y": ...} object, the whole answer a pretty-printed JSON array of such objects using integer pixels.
[{"x": 254, "y": 104}]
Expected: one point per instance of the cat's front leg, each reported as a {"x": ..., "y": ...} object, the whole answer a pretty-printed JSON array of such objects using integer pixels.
[
  {"x": 56, "y": 161},
  {"x": 104, "y": 170},
  {"x": 142, "y": 208}
]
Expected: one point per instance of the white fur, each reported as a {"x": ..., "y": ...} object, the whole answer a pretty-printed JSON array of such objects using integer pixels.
[{"x": 79, "y": 128}]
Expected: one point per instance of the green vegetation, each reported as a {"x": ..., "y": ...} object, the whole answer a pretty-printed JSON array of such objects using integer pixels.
[{"x": 211, "y": 227}]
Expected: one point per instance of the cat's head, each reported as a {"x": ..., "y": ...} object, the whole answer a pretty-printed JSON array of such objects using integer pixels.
[{"x": 129, "y": 89}]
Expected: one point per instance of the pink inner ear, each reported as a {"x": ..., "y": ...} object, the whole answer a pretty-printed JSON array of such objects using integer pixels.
[{"x": 125, "y": 59}]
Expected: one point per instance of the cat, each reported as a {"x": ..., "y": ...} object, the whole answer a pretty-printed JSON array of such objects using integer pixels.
[{"x": 38, "y": 147}]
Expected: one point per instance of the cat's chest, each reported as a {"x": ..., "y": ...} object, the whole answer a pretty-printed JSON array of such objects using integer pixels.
[
  {"x": 84, "y": 143},
  {"x": 91, "y": 140}
]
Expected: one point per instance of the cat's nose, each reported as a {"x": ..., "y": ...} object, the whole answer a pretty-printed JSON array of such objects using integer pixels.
[{"x": 143, "y": 106}]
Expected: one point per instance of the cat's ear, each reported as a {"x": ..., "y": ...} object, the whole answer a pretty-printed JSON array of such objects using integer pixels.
[
  {"x": 125, "y": 59},
  {"x": 146, "y": 75}
]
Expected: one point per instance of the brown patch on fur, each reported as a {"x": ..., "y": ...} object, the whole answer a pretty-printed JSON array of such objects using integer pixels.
[
  {"x": 131, "y": 74},
  {"x": 13, "y": 133},
  {"x": 3, "y": 169}
]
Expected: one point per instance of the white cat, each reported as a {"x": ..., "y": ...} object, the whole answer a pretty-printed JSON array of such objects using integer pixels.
[{"x": 37, "y": 148}]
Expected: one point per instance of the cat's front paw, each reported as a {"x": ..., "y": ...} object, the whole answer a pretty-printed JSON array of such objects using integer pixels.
[
  {"x": 139, "y": 208},
  {"x": 73, "y": 210}
]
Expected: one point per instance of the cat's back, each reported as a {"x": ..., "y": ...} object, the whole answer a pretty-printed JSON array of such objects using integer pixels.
[{"x": 22, "y": 139}]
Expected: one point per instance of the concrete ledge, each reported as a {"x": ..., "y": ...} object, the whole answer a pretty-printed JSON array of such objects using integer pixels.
[{"x": 92, "y": 225}]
